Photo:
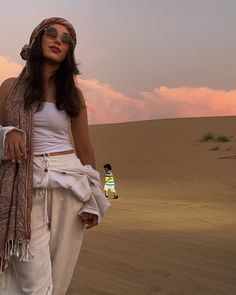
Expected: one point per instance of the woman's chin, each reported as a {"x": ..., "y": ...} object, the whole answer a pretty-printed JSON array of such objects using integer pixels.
[{"x": 52, "y": 59}]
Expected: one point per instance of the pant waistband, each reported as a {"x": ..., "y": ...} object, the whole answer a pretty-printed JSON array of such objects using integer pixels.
[{"x": 55, "y": 153}]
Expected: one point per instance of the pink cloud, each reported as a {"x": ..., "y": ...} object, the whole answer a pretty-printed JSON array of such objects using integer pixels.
[
  {"x": 105, "y": 105},
  {"x": 8, "y": 68}
]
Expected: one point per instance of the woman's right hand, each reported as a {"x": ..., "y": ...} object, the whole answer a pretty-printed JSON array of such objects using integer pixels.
[{"x": 14, "y": 147}]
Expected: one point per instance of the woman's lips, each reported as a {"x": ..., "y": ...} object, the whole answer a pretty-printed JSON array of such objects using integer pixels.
[{"x": 55, "y": 49}]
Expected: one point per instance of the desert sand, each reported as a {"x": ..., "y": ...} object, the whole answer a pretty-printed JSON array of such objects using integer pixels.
[{"x": 172, "y": 230}]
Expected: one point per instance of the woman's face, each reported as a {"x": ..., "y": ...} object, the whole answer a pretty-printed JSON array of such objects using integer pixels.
[{"x": 55, "y": 43}]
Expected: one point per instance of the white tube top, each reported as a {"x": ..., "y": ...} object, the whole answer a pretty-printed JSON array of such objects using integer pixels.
[{"x": 51, "y": 130}]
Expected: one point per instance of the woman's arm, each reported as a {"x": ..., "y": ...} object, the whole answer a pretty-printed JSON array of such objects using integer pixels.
[
  {"x": 82, "y": 143},
  {"x": 84, "y": 151}
]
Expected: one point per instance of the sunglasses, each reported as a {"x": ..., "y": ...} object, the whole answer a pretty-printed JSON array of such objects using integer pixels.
[{"x": 53, "y": 34}]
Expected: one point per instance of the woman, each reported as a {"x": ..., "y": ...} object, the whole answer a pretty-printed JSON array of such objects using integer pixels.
[{"x": 49, "y": 188}]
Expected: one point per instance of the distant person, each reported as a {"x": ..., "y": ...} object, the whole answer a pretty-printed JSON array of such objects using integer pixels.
[{"x": 109, "y": 181}]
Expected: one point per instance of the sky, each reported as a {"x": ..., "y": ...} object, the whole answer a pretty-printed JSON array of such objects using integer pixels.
[{"x": 139, "y": 59}]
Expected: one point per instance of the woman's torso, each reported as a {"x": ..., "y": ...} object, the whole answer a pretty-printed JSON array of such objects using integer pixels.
[{"x": 51, "y": 130}]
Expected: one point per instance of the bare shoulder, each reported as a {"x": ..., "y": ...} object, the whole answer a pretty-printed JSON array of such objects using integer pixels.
[
  {"x": 5, "y": 89},
  {"x": 6, "y": 86}
]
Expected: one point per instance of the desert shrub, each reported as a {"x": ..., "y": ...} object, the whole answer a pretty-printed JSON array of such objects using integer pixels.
[
  {"x": 223, "y": 138},
  {"x": 208, "y": 136}
]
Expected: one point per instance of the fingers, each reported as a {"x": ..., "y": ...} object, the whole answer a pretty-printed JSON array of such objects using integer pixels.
[
  {"x": 17, "y": 153},
  {"x": 92, "y": 223},
  {"x": 24, "y": 150},
  {"x": 12, "y": 152},
  {"x": 14, "y": 147},
  {"x": 89, "y": 219}
]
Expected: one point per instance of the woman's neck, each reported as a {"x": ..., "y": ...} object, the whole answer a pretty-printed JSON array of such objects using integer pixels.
[
  {"x": 49, "y": 86},
  {"x": 49, "y": 69}
]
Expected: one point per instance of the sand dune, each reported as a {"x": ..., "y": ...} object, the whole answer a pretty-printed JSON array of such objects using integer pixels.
[{"x": 172, "y": 231}]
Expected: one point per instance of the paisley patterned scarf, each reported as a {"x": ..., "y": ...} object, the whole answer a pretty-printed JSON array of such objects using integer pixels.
[{"x": 16, "y": 183}]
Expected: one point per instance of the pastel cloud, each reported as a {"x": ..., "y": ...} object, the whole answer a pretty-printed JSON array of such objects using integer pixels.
[
  {"x": 191, "y": 102},
  {"x": 8, "y": 68},
  {"x": 105, "y": 105}
]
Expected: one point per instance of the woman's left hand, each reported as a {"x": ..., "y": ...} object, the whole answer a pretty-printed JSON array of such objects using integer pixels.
[{"x": 89, "y": 219}]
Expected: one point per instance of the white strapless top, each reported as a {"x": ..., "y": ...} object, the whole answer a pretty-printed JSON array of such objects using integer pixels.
[{"x": 51, "y": 130}]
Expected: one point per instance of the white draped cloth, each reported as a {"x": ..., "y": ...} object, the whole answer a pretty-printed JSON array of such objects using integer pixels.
[{"x": 67, "y": 171}]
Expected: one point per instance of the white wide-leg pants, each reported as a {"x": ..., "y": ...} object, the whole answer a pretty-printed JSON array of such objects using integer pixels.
[{"x": 56, "y": 237}]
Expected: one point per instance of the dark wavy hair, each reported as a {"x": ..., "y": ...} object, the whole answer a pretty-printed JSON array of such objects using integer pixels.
[
  {"x": 108, "y": 166},
  {"x": 68, "y": 96}
]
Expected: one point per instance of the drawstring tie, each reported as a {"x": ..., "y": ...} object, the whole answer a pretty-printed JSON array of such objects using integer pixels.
[{"x": 44, "y": 191}]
